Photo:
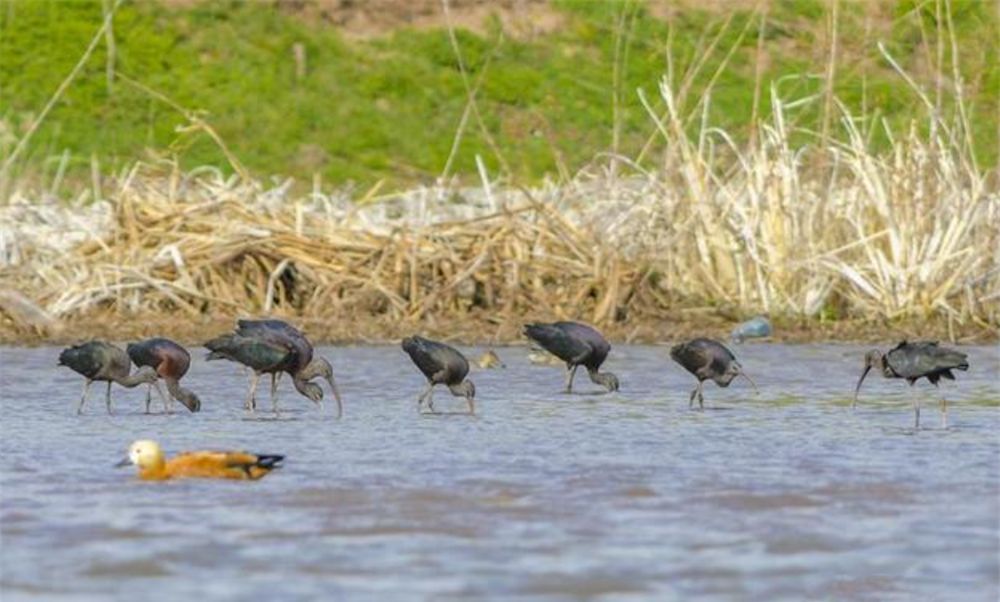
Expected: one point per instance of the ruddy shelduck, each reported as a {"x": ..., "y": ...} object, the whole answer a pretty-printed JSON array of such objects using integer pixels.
[{"x": 153, "y": 465}]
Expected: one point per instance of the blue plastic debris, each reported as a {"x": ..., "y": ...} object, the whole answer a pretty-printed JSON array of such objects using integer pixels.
[{"x": 756, "y": 328}]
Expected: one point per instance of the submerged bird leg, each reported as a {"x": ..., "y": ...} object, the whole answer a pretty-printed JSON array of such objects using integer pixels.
[
  {"x": 694, "y": 393},
  {"x": 569, "y": 378},
  {"x": 167, "y": 407},
  {"x": 944, "y": 408},
  {"x": 251, "y": 403},
  {"x": 701, "y": 396},
  {"x": 83, "y": 398},
  {"x": 430, "y": 400},
  {"x": 423, "y": 396},
  {"x": 149, "y": 396},
  {"x": 107, "y": 398},
  {"x": 274, "y": 391},
  {"x": 916, "y": 409}
]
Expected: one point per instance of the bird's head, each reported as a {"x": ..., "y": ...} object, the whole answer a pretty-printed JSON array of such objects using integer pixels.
[
  {"x": 873, "y": 359},
  {"x": 191, "y": 401},
  {"x": 607, "y": 380},
  {"x": 320, "y": 367},
  {"x": 310, "y": 390},
  {"x": 143, "y": 453},
  {"x": 464, "y": 389}
]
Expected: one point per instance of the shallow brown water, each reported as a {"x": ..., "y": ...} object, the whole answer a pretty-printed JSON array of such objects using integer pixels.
[{"x": 785, "y": 496}]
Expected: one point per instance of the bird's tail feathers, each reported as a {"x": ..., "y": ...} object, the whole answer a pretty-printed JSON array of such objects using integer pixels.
[
  {"x": 958, "y": 360},
  {"x": 269, "y": 461}
]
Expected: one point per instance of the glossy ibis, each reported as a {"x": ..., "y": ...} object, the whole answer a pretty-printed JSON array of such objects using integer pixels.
[
  {"x": 153, "y": 466},
  {"x": 577, "y": 345},
  {"x": 442, "y": 365},
  {"x": 171, "y": 362},
  {"x": 708, "y": 360},
  {"x": 315, "y": 366},
  {"x": 755, "y": 328},
  {"x": 913, "y": 361},
  {"x": 265, "y": 354},
  {"x": 97, "y": 360}
]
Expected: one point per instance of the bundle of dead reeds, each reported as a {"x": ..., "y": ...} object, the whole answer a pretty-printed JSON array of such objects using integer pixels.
[
  {"x": 826, "y": 229},
  {"x": 224, "y": 246}
]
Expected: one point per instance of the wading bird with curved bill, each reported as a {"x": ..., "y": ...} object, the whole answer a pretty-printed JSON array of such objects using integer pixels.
[
  {"x": 316, "y": 367},
  {"x": 154, "y": 466},
  {"x": 171, "y": 362},
  {"x": 708, "y": 360},
  {"x": 265, "y": 353},
  {"x": 442, "y": 365},
  {"x": 913, "y": 361},
  {"x": 100, "y": 361},
  {"x": 577, "y": 345}
]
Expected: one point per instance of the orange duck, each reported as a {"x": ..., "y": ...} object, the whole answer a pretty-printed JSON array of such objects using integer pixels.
[{"x": 153, "y": 466}]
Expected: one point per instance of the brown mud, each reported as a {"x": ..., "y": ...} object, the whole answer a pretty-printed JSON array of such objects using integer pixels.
[{"x": 480, "y": 328}]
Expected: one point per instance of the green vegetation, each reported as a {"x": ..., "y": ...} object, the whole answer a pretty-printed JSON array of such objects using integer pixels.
[{"x": 388, "y": 107}]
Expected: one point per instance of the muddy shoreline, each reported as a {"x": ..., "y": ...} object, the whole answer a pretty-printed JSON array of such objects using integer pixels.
[{"x": 475, "y": 329}]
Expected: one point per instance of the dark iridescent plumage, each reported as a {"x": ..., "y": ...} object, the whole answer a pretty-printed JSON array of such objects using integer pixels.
[
  {"x": 264, "y": 353},
  {"x": 708, "y": 360},
  {"x": 171, "y": 362},
  {"x": 308, "y": 365},
  {"x": 442, "y": 365},
  {"x": 913, "y": 361},
  {"x": 100, "y": 361},
  {"x": 577, "y": 345}
]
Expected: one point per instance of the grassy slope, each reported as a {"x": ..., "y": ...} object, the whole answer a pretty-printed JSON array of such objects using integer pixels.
[{"x": 388, "y": 108}]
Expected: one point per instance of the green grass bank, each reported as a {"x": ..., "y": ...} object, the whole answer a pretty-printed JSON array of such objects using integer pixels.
[{"x": 386, "y": 105}]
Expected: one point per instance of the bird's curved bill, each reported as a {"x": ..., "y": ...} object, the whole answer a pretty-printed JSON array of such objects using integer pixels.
[
  {"x": 857, "y": 389},
  {"x": 333, "y": 387},
  {"x": 336, "y": 395},
  {"x": 124, "y": 462},
  {"x": 747, "y": 376}
]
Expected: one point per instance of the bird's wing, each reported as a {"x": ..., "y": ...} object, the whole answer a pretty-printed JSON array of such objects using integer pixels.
[
  {"x": 279, "y": 332},
  {"x": 692, "y": 357},
  {"x": 425, "y": 355},
  {"x": 913, "y": 360},
  {"x": 84, "y": 359},
  {"x": 557, "y": 342},
  {"x": 221, "y": 465},
  {"x": 261, "y": 353},
  {"x": 251, "y": 326},
  {"x": 142, "y": 353}
]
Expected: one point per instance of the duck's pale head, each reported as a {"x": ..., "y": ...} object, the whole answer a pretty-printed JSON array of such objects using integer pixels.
[{"x": 144, "y": 453}]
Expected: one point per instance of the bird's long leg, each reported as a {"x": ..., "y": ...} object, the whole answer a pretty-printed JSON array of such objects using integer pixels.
[
  {"x": 430, "y": 401},
  {"x": 251, "y": 403},
  {"x": 472, "y": 406},
  {"x": 701, "y": 395},
  {"x": 944, "y": 408},
  {"x": 420, "y": 400},
  {"x": 569, "y": 379},
  {"x": 83, "y": 398},
  {"x": 274, "y": 392},
  {"x": 107, "y": 398},
  {"x": 916, "y": 409},
  {"x": 167, "y": 407},
  {"x": 149, "y": 396},
  {"x": 694, "y": 393}
]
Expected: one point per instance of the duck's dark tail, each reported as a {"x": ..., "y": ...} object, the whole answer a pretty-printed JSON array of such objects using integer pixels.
[{"x": 269, "y": 462}]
